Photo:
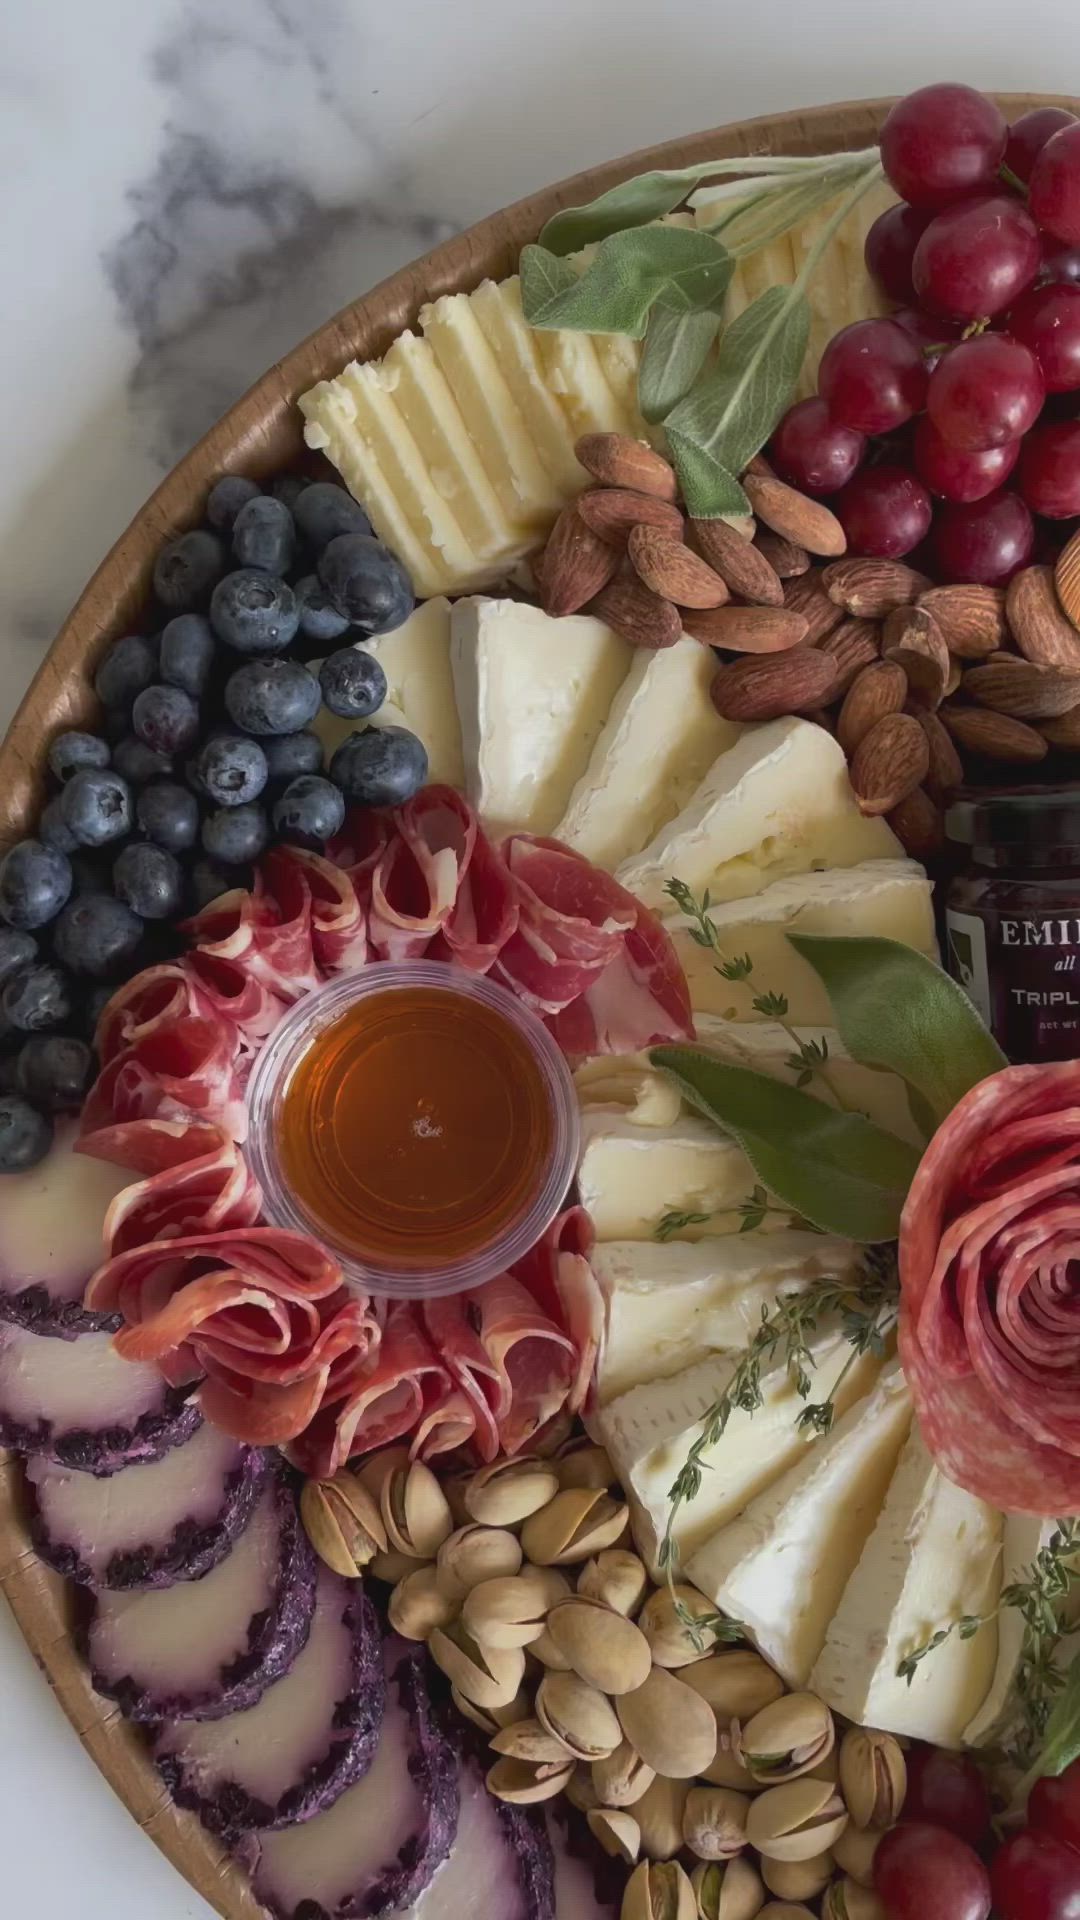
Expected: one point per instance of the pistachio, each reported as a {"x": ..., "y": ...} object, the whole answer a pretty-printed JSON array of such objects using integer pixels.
[
  {"x": 798, "y": 1879},
  {"x": 736, "y": 1682},
  {"x": 488, "y": 1676},
  {"x": 785, "y": 1910},
  {"x": 621, "y": 1778},
  {"x": 788, "y": 1738},
  {"x": 618, "y": 1833},
  {"x": 658, "y": 1891},
  {"x": 727, "y": 1767},
  {"x": 505, "y": 1613},
  {"x": 580, "y": 1790},
  {"x": 672, "y": 1728},
  {"x": 616, "y": 1577},
  {"x": 415, "y": 1510},
  {"x": 797, "y": 1820},
  {"x": 374, "y": 1468},
  {"x": 602, "y": 1647},
  {"x": 578, "y": 1715},
  {"x": 551, "y": 1585},
  {"x": 342, "y": 1522},
  {"x": 714, "y": 1822},
  {"x": 418, "y": 1605},
  {"x": 523, "y": 1782},
  {"x": 854, "y": 1852},
  {"x": 393, "y": 1566},
  {"x": 455, "y": 1487},
  {"x": 873, "y": 1777},
  {"x": 490, "y": 1720},
  {"x": 580, "y": 1464},
  {"x": 728, "y": 1889},
  {"x": 505, "y": 1493},
  {"x": 472, "y": 1554},
  {"x": 574, "y": 1525},
  {"x": 528, "y": 1740},
  {"x": 659, "y": 1814},
  {"x": 847, "y": 1900},
  {"x": 672, "y": 1641},
  {"x": 549, "y": 1655}
]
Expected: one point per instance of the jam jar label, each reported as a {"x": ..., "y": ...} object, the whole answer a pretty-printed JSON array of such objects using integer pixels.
[{"x": 1022, "y": 972}]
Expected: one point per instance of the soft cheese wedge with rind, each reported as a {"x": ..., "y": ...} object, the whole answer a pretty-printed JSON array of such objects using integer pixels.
[
  {"x": 669, "y": 1304},
  {"x": 415, "y": 658},
  {"x": 630, "y": 1176},
  {"x": 782, "y": 1566},
  {"x": 532, "y": 695},
  {"x": 1024, "y": 1536},
  {"x": 934, "y": 1555},
  {"x": 769, "y": 1048},
  {"x": 778, "y": 802},
  {"x": 660, "y": 739}
]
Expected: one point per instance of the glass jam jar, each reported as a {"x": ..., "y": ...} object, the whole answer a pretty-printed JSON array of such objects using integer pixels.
[{"x": 1012, "y": 916}]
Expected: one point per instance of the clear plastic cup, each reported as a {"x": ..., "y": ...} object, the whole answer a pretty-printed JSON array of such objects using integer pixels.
[{"x": 306, "y": 1024}]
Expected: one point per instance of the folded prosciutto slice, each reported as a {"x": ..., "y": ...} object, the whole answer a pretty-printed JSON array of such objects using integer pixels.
[
  {"x": 415, "y": 883},
  {"x": 533, "y": 1359},
  {"x": 572, "y": 919},
  {"x": 196, "y": 1181},
  {"x": 558, "y": 1275},
  {"x": 268, "y": 935},
  {"x": 452, "y": 1324},
  {"x": 339, "y": 935},
  {"x": 186, "y": 1066},
  {"x": 385, "y": 1400},
  {"x": 483, "y": 916},
  {"x": 641, "y": 999}
]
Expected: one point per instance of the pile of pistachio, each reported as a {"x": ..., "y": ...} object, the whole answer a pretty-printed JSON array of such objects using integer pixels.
[{"x": 702, "y": 1773}]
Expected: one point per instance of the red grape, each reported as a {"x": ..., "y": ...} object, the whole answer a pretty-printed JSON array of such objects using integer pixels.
[
  {"x": 884, "y": 511},
  {"x": 890, "y": 247},
  {"x": 977, "y": 257},
  {"x": 1029, "y": 135},
  {"x": 942, "y": 143},
  {"x": 1054, "y": 1806},
  {"x": 872, "y": 376},
  {"x": 1049, "y": 471},
  {"x": 1055, "y": 186},
  {"x": 924, "y": 1873},
  {"x": 812, "y": 451},
  {"x": 986, "y": 541},
  {"x": 1047, "y": 319},
  {"x": 1059, "y": 263},
  {"x": 985, "y": 392},
  {"x": 947, "y": 1790},
  {"x": 1034, "y": 1877},
  {"x": 933, "y": 335},
  {"x": 955, "y": 474}
]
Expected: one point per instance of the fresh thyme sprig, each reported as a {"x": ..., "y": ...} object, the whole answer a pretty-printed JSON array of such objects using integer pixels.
[
  {"x": 673, "y": 1222},
  {"x": 752, "y": 1212}
]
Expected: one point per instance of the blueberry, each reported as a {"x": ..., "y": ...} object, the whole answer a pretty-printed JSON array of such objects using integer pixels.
[
  {"x": 264, "y": 535},
  {"x": 16, "y": 950},
  {"x": 166, "y": 719},
  {"x": 37, "y": 998},
  {"x": 209, "y": 882},
  {"x": 320, "y": 621},
  {"x": 225, "y": 499},
  {"x": 380, "y": 767},
  {"x": 353, "y": 683},
  {"x": 54, "y": 1071},
  {"x": 235, "y": 836},
  {"x": 290, "y": 754},
  {"x": 188, "y": 648},
  {"x": 168, "y": 814},
  {"x": 71, "y": 752},
  {"x": 310, "y": 811},
  {"x": 149, "y": 880},
  {"x": 288, "y": 487},
  {"x": 99, "y": 936},
  {"x": 25, "y": 1134},
  {"x": 137, "y": 763},
  {"x": 52, "y": 830},
  {"x": 324, "y": 510},
  {"x": 35, "y": 881},
  {"x": 188, "y": 569},
  {"x": 366, "y": 582},
  {"x": 229, "y": 769},
  {"x": 272, "y": 696},
  {"x": 128, "y": 667},
  {"x": 96, "y": 807},
  {"x": 254, "y": 612}
]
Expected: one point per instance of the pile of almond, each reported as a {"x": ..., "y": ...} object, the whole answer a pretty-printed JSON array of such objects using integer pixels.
[{"x": 915, "y": 680}]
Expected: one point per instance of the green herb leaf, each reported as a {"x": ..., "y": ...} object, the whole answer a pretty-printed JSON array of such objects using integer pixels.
[
  {"x": 544, "y": 278},
  {"x": 682, "y": 267},
  {"x": 1061, "y": 1742},
  {"x": 897, "y": 1009},
  {"x": 778, "y": 205},
  {"x": 633, "y": 203},
  {"x": 837, "y": 1169},
  {"x": 734, "y": 407},
  {"x": 708, "y": 487},
  {"x": 676, "y": 348}
]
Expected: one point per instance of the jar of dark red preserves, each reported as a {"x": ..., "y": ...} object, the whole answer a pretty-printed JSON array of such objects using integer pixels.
[{"x": 1013, "y": 916}]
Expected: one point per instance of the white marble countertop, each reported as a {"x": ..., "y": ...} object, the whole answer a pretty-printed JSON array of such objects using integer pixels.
[{"x": 190, "y": 187}]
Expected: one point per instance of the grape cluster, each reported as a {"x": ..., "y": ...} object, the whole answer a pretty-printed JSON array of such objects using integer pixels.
[{"x": 953, "y": 425}]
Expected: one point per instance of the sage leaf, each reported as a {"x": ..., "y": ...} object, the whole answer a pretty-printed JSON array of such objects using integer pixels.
[
  {"x": 676, "y": 348},
  {"x": 682, "y": 267},
  {"x": 648, "y": 196},
  {"x": 734, "y": 407},
  {"x": 544, "y": 278},
  {"x": 708, "y": 488},
  {"x": 835, "y": 1168},
  {"x": 897, "y": 1009},
  {"x": 775, "y": 207}
]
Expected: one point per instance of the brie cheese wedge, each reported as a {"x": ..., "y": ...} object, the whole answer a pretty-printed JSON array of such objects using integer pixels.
[
  {"x": 782, "y": 1566},
  {"x": 1024, "y": 1536},
  {"x": 778, "y": 802},
  {"x": 934, "y": 1555},
  {"x": 415, "y": 658},
  {"x": 767, "y": 1048},
  {"x": 630, "y": 1176}
]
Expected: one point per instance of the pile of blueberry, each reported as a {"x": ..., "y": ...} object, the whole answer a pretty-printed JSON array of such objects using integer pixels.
[{"x": 205, "y": 758}]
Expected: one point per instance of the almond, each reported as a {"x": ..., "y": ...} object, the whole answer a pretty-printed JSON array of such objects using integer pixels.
[
  {"x": 574, "y": 566},
  {"x": 1067, "y": 578},
  {"x": 612, "y": 511},
  {"x": 994, "y": 734},
  {"x": 741, "y": 565},
  {"x": 952, "y": 684},
  {"x": 785, "y": 558},
  {"x": 971, "y": 618},
  {"x": 918, "y": 825},
  {"x": 1022, "y": 689},
  {"x": 889, "y": 763},
  {"x": 879, "y": 689},
  {"x": 807, "y": 596},
  {"x": 1041, "y": 630},
  {"x": 872, "y": 588},
  {"x": 946, "y": 770},
  {"x": 1064, "y": 731},
  {"x": 773, "y": 684},
  {"x": 643, "y": 618},
  {"x": 853, "y": 646},
  {"x": 670, "y": 569},
  {"x": 798, "y": 518},
  {"x": 912, "y": 637},
  {"x": 617, "y": 461},
  {"x": 747, "y": 629}
]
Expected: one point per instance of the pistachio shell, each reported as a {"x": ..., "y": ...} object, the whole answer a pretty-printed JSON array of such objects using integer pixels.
[
  {"x": 393, "y": 1566},
  {"x": 374, "y": 1468},
  {"x": 798, "y": 1879},
  {"x": 579, "y": 1715},
  {"x": 659, "y": 1815},
  {"x": 343, "y": 1523},
  {"x": 504, "y": 1613},
  {"x": 848, "y": 1899},
  {"x": 580, "y": 1790},
  {"x": 672, "y": 1728},
  {"x": 551, "y": 1585},
  {"x": 574, "y": 1525},
  {"x": 618, "y": 1833},
  {"x": 506, "y": 1492},
  {"x": 786, "y": 1910},
  {"x": 797, "y": 1820},
  {"x": 788, "y": 1738},
  {"x": 472, "y": 1554},
  {"x": 617, "y": 1578},
  {"x": 488, "y": 1676},
  {"x": 418, "y": 1605},
  {"x": 736, "y": 1682},
  {"x": 454, "y": 1486},
  {"x": 714, "y": 1822},
  {"x": 603, "y": 1647},
  {"x": 726, "y": 1768},
  {"x": 728, "y": 1889},
  {"x": 582, "y": 1465},
  {"x": 548, "y": 1654},
  {"x": 854, "y": 1852},
  {"x": 621, "y": 1778},
  {"x": 658, "y": 1892},
  {"x": 528, "y": 1740},
  {"x": 489, "y": 1722},
  {"x": 415, "y": 1510},
  {"x": 671, "y": 1642},
  {"x": 873, "y": 1777},
  {"x": 523, "y": 1784}
]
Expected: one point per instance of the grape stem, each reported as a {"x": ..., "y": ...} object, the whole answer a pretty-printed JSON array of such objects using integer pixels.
[{"x": 1012, "y": 180}]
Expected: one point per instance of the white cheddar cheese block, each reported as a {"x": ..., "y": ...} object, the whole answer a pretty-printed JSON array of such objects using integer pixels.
[
  {"x": 490, "y": 411},
  {"x": 891, "y": 899},
  {"x": 573, "y": 370},
  {"x": 426, "y": 404},
  {"x": 415, "y": 658},
  {"x": 1023, "y": 1537},
  {"x": 630, "y": 1176},
  {"x": 532, "y": 695},
  {"x": 649, "y": 1431},
  {"x": 661, "y": 737},
  {"x": 766, "y": 1048},
  {"x": 934, "y": 1554},
  {"x": 782, "y": 1566},
  {"x": 778, "y": 802},
  {"x": 669, "y": 1304},
  {"x": 497, "y": 306}
]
